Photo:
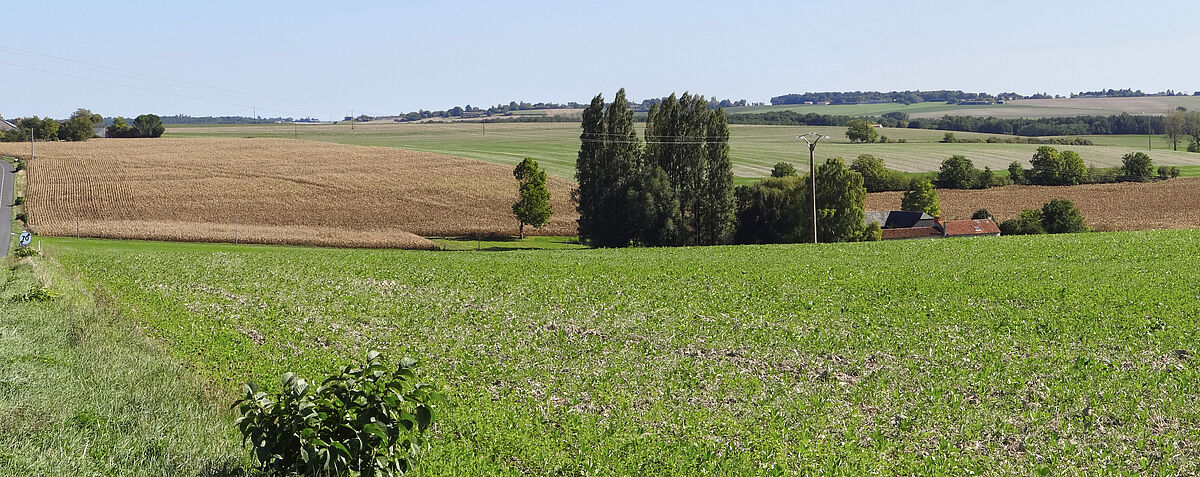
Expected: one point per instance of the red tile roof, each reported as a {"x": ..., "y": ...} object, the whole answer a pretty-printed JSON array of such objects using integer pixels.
[
  {"x": 910, "y": 233},
  {"x": 966, "y": 228}
]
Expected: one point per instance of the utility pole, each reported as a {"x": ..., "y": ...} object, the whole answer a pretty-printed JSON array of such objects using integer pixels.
[{"x": 812, "y": 174}]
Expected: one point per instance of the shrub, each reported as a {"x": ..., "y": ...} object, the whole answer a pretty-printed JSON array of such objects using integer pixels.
[
  {"x": 1137, "y": 165},
  {"x": 1060, "y": 216},
  {"x": 25, "y": 252},
  {"x": 1028, "y": 223},
  {"x": 783, "y": 169},
  {"x": 23, "y": 217},
  {"x": 949, "y": 138},
  {"x": 985, "y": 179},
  {"x": 366, "y": 420},
  {"x": 1174, "y": 172},
  {"x": 20, "y": 200},
  {"x": 1165, "y": 172},
  {"x": 981, "y": 214},
  {"x": 35, "y": 294}
]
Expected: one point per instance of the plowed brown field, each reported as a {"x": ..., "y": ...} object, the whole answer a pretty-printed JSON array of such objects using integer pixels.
[
  {"x": 1172, "y": 204},
  {"x": 270, "y": 191}
]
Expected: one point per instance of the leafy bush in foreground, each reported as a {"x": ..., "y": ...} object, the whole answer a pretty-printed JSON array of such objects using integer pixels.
[{"x": 363, "y": 420}]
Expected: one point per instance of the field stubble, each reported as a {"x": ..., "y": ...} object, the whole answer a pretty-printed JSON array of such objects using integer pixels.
[
  {"x": 1170, "y": 204},
  {"x": 271, "y": 191}
]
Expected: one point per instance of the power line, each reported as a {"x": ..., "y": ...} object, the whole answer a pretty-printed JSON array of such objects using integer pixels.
[
  {"x": 69, "y": 75},
  {"x": 159, "y": 79}
]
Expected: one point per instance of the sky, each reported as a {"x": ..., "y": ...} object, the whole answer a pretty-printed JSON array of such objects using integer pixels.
[{"x": 325, "y": 59}]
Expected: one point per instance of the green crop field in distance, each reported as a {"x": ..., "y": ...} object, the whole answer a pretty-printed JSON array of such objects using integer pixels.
[
  {"x": 753, "y": 149},
  {"x": 1013, "y": 355}
]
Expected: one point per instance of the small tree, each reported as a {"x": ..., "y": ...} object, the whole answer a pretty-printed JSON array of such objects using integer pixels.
[
  {"x": 148, "y": 125},
  {"x": 981, "y": 214},
  {"x": 1137, "y": 165},
  {"x": 949, "y": 138},
  {"x": 1174, "y": 128},
  {"x": 1047, "y": 165},
  {"x": 119, "y": 128},
  {"x": 1016, "y": 173},
  {"x": 859, "y": 130},
  {"x": 533, "y": 206},
  {"x": 1060, "y": 216},
  {"x": 840, "y": 204},
  {"x": 877, "y": 177},
  {"x": 921, "y": 197},
  {"x": 783, "y": 169},
  {"x": 957, "y": 172}
]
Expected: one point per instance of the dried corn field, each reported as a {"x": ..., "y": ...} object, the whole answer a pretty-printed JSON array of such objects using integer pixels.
[
  {"x": 271, "y": 191},
  {"x": 1171, "y": 204}
]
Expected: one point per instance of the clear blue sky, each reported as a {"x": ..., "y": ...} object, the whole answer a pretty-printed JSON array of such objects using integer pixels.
[{"x": 388, "y": 57}]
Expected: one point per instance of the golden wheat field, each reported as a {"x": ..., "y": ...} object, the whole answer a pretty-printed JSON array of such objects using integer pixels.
[
  {"x": 271, "y": 191},
  {"x": 1168, "y": 204}
]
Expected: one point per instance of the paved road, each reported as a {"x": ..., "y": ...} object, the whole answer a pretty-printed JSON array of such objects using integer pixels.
[{"x": 6, "y": 200}]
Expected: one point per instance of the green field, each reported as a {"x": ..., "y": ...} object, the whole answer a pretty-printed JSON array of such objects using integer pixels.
[
  {"x": 1071, "y": 354},
  {"x": 753, "y": 149}
]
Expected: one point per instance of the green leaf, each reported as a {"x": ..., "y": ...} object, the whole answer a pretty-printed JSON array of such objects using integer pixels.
[
  {"x": 371, "y": 355},
  {"x": 407, "y": 363},
  {"x": 286, "y": 379},
  {"x": 424, "y": 417}
]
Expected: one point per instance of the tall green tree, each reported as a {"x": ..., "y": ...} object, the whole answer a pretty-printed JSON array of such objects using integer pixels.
[
  {"x": 589, "y": 167},
  {"x": 80, "y": 126},
  {"x": 921, "y": 197},
  {"x": 655, "y": 210},
  {"x": 533, "y": 204},
  {"x": 840, "y": 203},
  {"x": 771, "y": 211},
  {"x": 1016, "y": 173},
  {"x": 718, "y": 209}
]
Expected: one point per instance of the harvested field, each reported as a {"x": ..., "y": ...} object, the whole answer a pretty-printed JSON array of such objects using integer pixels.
[
  {"x": 271, "y": 191},
  {"x": 1169, "y": 204}
]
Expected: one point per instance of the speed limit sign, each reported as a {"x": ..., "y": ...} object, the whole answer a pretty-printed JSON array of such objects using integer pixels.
[{"x": 25, "y": 238}]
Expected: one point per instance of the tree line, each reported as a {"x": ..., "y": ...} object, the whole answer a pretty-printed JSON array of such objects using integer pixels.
[
  {"x": 81, "y": 126},
  {"x": 903, "y": 97},
  {"x": 1123, "y": 123},
  {"x": 674, "y": 186}
]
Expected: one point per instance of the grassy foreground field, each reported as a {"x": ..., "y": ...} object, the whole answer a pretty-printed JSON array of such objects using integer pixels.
[
  {"x": 1014, "y": 355},
  {"x": 753, "y": 149}
]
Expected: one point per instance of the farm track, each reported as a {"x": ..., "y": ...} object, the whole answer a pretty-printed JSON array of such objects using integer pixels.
[{"x": 272, "y": 191}]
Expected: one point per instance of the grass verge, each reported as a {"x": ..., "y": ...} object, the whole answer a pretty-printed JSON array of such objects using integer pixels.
[{"x": 83, "y": 392}]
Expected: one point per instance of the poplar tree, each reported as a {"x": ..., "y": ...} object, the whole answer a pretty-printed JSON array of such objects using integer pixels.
[
  {"x": 719, "y": 208},
  {"x": 588, "y": 166}
]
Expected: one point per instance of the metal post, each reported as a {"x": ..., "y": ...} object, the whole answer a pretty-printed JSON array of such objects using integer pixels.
[
  {"x": 812, "y": 184},
  {"x": 812, "y": 174}
]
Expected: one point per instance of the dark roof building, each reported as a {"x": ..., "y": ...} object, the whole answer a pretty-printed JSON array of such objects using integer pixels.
[
  {"x": 6, "y": 126},
  {"x": 898, "y": 219}
]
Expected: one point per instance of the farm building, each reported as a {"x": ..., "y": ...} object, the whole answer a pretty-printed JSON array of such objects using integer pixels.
[
  {"x": 6, "y": 126},
  {"x": 903, "y": 225}
]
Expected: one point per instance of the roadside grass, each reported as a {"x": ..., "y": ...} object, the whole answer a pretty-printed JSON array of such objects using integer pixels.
[
  {"x": 753, "y": 149},
  {"x": 1071, "y": 354},
  {"x": 83, "y": 392},
  {"x": 499, "y": 244}
]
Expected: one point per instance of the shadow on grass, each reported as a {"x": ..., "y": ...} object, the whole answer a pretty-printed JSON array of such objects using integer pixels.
[{"x": 482, "y": 237}]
